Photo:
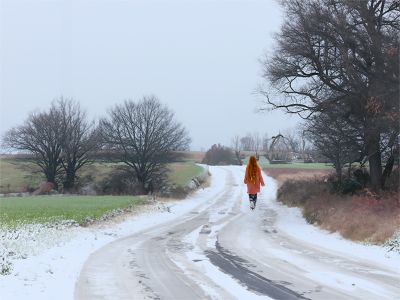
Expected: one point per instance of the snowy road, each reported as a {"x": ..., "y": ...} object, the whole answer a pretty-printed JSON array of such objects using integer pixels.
[{"x": 222, "y": 250}]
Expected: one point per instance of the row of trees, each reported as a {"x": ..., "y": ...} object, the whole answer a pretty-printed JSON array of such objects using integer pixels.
[
  {"x": 142, "y": 135},
  {"x": 336, "y": 64},
  {"x": 288, "y": 145},
  {"x": 250, "y": 142}
]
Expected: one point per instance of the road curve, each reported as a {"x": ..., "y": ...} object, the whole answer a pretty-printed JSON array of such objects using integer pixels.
[{"x": 222, "y": 250}]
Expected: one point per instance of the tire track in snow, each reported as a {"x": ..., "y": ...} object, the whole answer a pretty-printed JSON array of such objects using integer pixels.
[{"x": 233, "y": 265}]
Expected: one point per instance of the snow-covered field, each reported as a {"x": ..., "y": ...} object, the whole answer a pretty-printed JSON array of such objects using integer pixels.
[{"x": 47, "y": 261}]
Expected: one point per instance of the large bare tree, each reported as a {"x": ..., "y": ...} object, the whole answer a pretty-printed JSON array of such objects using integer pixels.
[
  {"x": 59, "y": 139},
  {"x": 145, "y": 134},
  {"x": 41, "y": 135},
  {"x": 340, "y": 52},
  {"x": 80, "y": 139}
]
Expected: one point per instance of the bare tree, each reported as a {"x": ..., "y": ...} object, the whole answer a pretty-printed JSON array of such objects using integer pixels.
[
  {"x": 80, "y": 138},
  {"x": 265, "y": 143},
  {"x": 303, "y": 146},
  {"x": 336, "y": 140},
  {"x": 145, "y": 134},
  {"x": 60, "y": 141},
  {"x": 292, "y": 139},
  {"x": 279, "y": 149},
  {"x": 339, "y": 52},
  {"x": 257, "y": 143},
  {"x": 41, "y": 135},
  {"x": 247, "y": 142},
  {"x": 236, "y": 145}
]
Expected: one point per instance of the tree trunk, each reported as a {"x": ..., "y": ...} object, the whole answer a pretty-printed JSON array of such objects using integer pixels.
[
  {"x": 237, "y": 154},
  {"x": 141, "y": 183},
  {"x": 69, "y": 182},
  {"x": 51, "y": 176},
  {"x": 52, "y": 179},
  {"x": 374, "y": 159},
  {"x": 349, "y": 170},
  {"x": 141, "y": 188},
  {"x": 339, "y": 174},
  {"x": 390, "y": 162},
  {"x": 388, "y": 170}
]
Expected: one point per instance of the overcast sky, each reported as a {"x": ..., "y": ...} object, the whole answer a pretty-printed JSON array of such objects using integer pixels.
[{"x": 198, "y": 57}]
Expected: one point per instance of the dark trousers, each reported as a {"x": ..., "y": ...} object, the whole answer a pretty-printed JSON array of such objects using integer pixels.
[{"x": 253, "y": 197}]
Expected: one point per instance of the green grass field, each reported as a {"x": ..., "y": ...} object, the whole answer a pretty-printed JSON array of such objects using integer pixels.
[
  {"x": 18, "y": 176},
  {"x": 182, "y": 173},
  {"x": 41, "y": 209}
]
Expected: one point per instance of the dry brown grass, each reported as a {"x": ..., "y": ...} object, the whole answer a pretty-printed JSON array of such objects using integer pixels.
[
  {"x": 284, "y": 174},
  {"x": 364, "y": 218},
  {"x": 360, "y": 217}
]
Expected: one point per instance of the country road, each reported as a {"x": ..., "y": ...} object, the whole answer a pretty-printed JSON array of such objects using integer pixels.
[{"x": 222, "y": 250}]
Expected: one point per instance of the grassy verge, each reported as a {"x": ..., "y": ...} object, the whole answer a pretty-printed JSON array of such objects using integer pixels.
[
  {"x": 360, "y": 217},
  {"x": 181, "y": 173},
  {"x": 97, "y": 171},
  {"x": 18, "y": 176},
  {"x": 284, "y": 174},
  {"x": 298, "y": 165},
  {"x": 15, "y": 211}
]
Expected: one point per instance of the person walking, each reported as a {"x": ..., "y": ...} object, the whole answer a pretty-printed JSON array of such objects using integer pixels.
[{"x": 253, "y": 179}]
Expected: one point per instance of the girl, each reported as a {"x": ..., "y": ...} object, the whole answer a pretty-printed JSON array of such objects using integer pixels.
[{"x": 253, "y": 179}]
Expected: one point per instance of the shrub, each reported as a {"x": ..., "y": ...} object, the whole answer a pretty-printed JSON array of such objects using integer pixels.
[
  {"x": 350, "y": 186},
  {"x": 5, "y": 266},
  {"x": 310, "y": 217},
  {"x": 118, "y": 182},
  {"x": 393, "y": 244},
  {"x": 219, "y": 155},
  {"x": 44, "y": 188},
  {"x": 361, "y": 176},
  {"x": 178, "y": 192},
  {"x": 298, "y": 192}
]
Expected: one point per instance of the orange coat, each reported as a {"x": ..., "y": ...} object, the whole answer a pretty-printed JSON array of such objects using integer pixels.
[{"x": 254, "y": 188}]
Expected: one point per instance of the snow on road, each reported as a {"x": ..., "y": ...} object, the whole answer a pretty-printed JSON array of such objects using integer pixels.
[{"x": 210, "y": 246}]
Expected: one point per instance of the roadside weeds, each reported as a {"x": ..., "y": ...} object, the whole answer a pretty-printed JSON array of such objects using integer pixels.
[{"x": 361, "y": 217}]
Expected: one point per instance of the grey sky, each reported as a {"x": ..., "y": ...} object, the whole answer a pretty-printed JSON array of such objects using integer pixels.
[{"x": 199, "y": 57}]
